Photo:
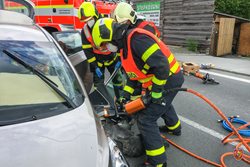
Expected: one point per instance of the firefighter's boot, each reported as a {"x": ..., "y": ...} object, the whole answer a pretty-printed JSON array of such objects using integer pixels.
[{"x": 176, "y": 132}]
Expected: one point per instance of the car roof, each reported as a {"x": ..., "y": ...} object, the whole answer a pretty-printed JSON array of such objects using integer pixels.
[{"x": 19, "y": 27}]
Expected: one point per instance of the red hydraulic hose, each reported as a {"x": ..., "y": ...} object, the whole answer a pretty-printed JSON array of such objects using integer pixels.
[{"x": 240, "y": 139}]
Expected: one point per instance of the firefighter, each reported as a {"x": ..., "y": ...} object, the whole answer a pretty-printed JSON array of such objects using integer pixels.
[
  {"x": 97, "y": 59},
  {"x": 125, "y": 14},
  {"x": 146, "y": 59}
]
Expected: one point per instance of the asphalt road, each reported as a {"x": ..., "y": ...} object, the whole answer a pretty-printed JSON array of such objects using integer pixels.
[{"x": 201, "y": 133}]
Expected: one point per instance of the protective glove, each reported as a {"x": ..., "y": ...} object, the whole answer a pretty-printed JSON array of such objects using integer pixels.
[
  {"x": 98, "y": 72},
  {"x": 118, "y": 65},
  {"x": 120, "y": 103},
  {"x": 122, "y": 100},
  {"x": 146, "y": 99}
]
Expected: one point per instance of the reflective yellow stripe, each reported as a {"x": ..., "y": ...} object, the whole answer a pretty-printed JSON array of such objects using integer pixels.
[
  {"x": 86, "y": 46},
  {"x": 158, "y": 81},
  {"x": 145, "y": 80},
  {"x": 175, "y": 67},
  {"x": 159, "y": 165},
  {"x": 171, "y": 58},
  {"x": 15, "y": 7},
  {"x": 55, "y": 6},
  {"x": 155, "y": 152},
  {"x": 92, "y": 60},
  {"x": 144, "y": 71},
  {"x": 110, "y": 62},
  {"x": 129, "y": 89},
  {"x": 135, "y": 97},
  {"x": 175, "y": 126},
  {"x": 99, "y": 64},
  {"x": 117, "y": 84},
  {"x": 156, "y": 95},
  {"x": 149, "y": 52},
  {"x": 146, "y": 66}
]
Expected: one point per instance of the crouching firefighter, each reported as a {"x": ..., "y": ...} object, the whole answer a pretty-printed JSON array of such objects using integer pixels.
[
  {"x": 98, "y": 59},
  {"x": 147, "y": 60}
]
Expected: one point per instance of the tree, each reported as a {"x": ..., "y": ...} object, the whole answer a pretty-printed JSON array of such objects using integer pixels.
[{"x": 239, "y": 8}]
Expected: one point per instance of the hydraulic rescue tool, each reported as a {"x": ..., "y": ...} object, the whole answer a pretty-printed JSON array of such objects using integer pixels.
[
  {"x": 116, "y": 123},
  {"x": 190, "y": 68},
  {"x": 136, "y": 105},
  {"x": 206, "y": 78}
]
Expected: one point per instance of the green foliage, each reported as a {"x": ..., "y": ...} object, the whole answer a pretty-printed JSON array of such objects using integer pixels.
[
  {"x": 192, "y": 45},
  {"x": 239, "y": 8}
]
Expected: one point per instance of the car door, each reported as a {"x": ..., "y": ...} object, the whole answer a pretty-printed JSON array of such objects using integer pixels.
[{"x": 70, "y": 42}]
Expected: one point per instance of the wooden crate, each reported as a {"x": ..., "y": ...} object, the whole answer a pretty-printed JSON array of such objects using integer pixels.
[
  {"x": 225, "y": 37},
  {"x": 244, "y": 41},
  {"x": 190, "y": 67}
]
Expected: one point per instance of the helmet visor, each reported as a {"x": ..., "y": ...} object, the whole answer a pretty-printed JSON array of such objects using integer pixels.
[{"x": 105, "y": 32}]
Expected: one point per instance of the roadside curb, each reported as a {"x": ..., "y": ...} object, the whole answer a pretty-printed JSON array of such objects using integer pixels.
[{"x": 234, "y": 72}]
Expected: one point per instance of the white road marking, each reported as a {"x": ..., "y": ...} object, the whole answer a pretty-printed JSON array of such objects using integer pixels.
[
  {"x": 226, "y": 76},
  {"x": 207, "y": 130}
]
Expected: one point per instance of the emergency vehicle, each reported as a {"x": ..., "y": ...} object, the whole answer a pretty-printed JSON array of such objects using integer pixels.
[{"x": 60, "y": 15}]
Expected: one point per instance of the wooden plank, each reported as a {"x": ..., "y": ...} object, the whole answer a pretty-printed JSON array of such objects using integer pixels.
[
  {"x": 182, "y": 19},
  {"x": 183, "y": 32},
  {"x": 188, "y": 28},
  {"x": 244, "y": 41},
  {"x": 214, "y": 40},
  {"x": 225, "y": 38}
]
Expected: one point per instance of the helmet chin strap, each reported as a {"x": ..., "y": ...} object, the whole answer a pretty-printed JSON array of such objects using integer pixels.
[{"x": 91, "y": 23}]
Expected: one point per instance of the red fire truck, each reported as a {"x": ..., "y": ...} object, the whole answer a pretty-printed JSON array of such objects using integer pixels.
[{"x": 60, "y": 15}]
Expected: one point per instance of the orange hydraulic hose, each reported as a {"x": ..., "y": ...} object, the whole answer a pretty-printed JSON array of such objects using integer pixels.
[
  {"x": 222, "y": 115},
  {"x": 190, "y": 153},
  {"x": 244, "y": 141}
]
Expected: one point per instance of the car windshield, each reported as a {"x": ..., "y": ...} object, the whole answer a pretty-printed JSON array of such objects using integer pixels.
[{"x": 22, "y": 88}]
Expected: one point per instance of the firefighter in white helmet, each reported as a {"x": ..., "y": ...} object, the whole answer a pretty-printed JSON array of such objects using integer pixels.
[
  {"x": 125, "y": 14},
  {"x": 97, "y": 59}
]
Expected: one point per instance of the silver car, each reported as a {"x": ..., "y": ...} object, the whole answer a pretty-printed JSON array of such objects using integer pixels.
[{"x": 46, "y": 119}]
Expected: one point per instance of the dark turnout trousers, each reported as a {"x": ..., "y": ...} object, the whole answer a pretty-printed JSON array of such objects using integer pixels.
[{"x": 147, "y": 122}]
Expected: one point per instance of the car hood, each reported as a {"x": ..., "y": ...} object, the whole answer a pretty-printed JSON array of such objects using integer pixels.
[{"x": 66, "y": 140}]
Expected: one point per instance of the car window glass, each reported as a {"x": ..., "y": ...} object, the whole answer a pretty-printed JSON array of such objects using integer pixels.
[
  {"x": 21, "y": 88},
  {"x": 69, "y": 41}
]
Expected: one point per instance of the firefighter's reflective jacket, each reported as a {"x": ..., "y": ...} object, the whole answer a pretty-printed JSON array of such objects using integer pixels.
[
  {"x": 148, "y": 25},
  {"x": 94, "y": 56},
  {"x": 148, "y": 60}
]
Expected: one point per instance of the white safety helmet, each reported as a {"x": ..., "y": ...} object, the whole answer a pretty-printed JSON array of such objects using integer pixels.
[{"x": 124, "y": 12}]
